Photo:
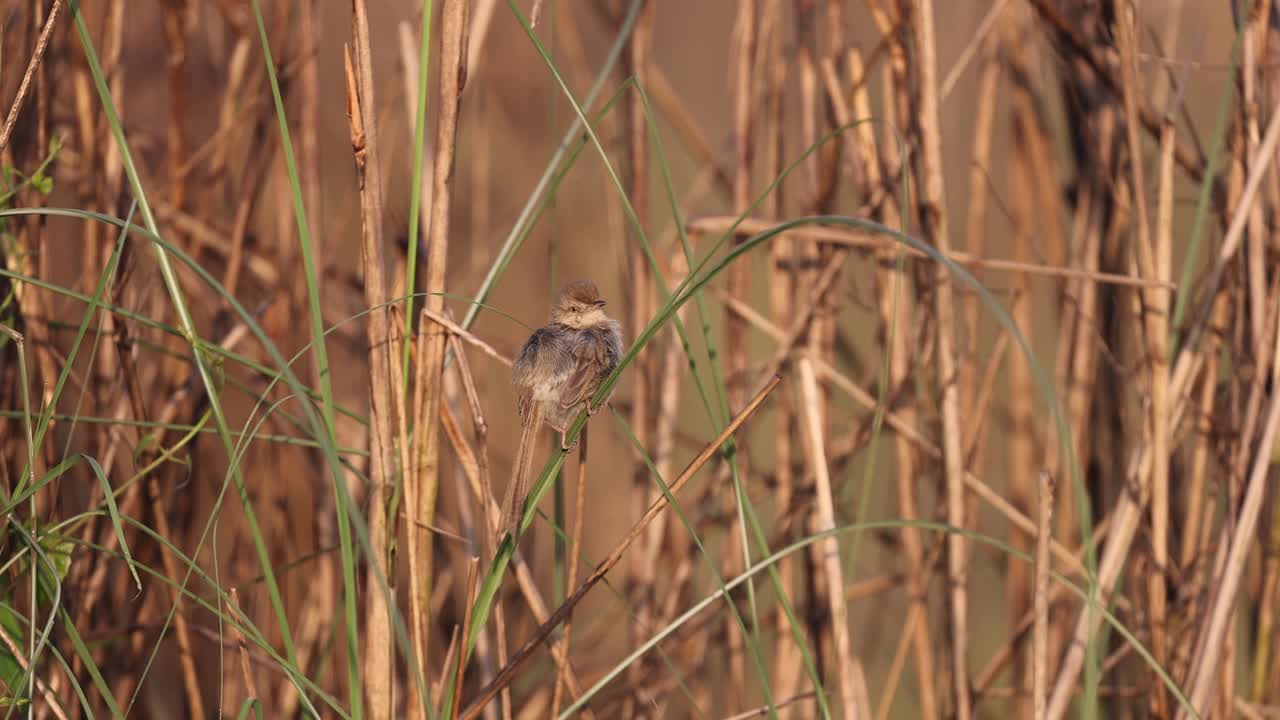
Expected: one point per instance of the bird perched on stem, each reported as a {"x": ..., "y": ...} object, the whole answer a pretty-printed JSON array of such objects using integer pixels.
[{"x": 556, "y": 374}]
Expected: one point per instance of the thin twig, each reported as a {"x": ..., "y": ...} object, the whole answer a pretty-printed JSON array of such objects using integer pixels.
[
  {"x": 1040, "y": 639},
  {"x": 36, "y": 57},
  {"x": 466, "y": 335},
  {"x": 472, "y": 573}
]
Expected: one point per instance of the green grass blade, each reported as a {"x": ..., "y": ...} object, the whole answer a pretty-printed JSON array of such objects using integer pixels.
[
  {"x": 114, "y": 513},
  {"x": 356, "y": 694}
]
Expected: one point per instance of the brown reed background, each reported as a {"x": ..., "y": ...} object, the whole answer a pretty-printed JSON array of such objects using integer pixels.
[{"x": 1004, "y": 135}]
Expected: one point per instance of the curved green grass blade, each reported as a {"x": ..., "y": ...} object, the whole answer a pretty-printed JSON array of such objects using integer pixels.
[
  {"x": 1083, "y": 593},
  {"x": 114, "y": 513}
]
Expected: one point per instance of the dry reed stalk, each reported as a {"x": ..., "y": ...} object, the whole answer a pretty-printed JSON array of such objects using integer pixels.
[
  {"x": 803, "y": 259},
  {"x": 256, "y": 176},
  {"x": 1195, "y": 514},
  {"x": 774, "y": 67},
  {"x": 1024, "y": 428},
  {"x": 871, "y": 240},
  {"x": 319, "y": 607},
  {"x": 742, "y": 51},
  {"x": 853, "y": 690},
  {"x": 917, "y": 616},
  {"x": 662, "y": 534},
  {"x": 611, "y": 560},
  {"x": 822, "y": 336},
  {"x": 1160, "y": 307},
  {"x": 980, "y": 41},
  {"x": 181, "y": 632},
  {"x": 473, "y": 565},
  {"x": 463, "y": 334},
  {"x": 419, "y": 581},
  {"x": 1040, "y": 639},
  {"x": 1266, "y": 612},
  {"x": 976, "y": 216},
  {"x": 986, "y": 390},
  {"x": 242, "y": 649},
  {"x": 426, "y": 450},
  {"x": 934, "y": 225},
  {"x": 1077, "y": 364},
  {"x": 639, "y": 289},
  {"x": 571, "y": 576},
  {"x": 1154, "y": 319},
  {"x": 1255, "y": 280},
  {"x": 1021, "y": 630},
  {"x": 378, "y": 662},
  {"x": 764, "y": 710},
  {"x": 450, "y": 662},
  {"x": 175, "y": 37}
]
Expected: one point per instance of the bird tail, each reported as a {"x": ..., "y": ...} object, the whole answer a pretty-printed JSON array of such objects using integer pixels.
[{"x": 513, "y": 505}]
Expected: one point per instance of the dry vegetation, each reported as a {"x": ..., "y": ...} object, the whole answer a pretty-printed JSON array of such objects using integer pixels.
[{"x": 954, "y": 336}]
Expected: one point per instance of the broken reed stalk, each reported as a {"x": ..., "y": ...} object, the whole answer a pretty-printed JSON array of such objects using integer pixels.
[
  {"x": 242, "y": 650},
  {"x": 379, "y": 647}
]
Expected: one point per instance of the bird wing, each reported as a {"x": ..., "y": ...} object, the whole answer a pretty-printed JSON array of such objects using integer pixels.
[
  {"x": 594, "y": 358},
  {"x": 543, "y": 359}
]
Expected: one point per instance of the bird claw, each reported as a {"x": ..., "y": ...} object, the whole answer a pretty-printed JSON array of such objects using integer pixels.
[{"x": 567, "y": 446}]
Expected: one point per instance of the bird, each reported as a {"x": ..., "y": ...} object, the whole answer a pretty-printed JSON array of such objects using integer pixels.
[{"x": 556, "y": 374}]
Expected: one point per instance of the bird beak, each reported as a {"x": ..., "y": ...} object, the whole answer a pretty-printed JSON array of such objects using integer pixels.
[{"x": 598, "y": 303}]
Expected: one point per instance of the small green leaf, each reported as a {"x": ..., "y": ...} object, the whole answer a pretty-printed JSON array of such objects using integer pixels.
[
  {"x": 58, "y": 547},
  {"x": 147, "y": 444},
  {"x": 42, "y": 183}
]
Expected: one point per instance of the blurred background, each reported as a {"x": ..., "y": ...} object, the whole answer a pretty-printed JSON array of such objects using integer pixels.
[{"x": 1101, "y": 170}]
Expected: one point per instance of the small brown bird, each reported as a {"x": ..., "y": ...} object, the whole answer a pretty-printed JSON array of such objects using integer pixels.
[{"x": 556, "y": 374}]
